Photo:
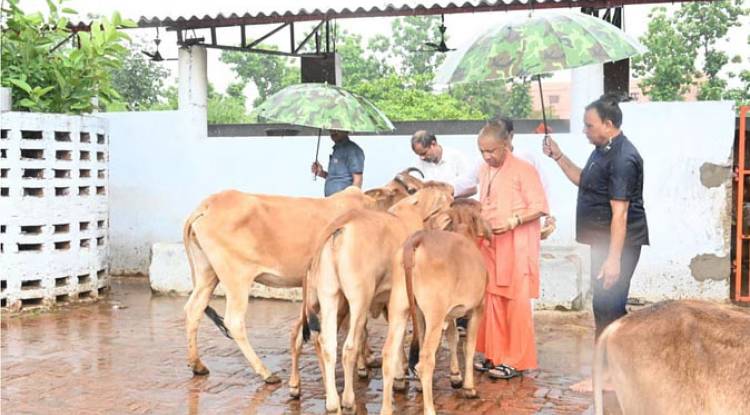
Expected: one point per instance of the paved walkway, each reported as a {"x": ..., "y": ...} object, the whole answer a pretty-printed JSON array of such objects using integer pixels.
[{"x": 126, "y": 355}]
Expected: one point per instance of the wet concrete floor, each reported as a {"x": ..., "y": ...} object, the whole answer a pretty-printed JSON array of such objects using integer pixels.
[{"x": 127, "y": 355}]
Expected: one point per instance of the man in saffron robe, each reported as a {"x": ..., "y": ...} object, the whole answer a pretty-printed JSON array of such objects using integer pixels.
[{"x": 512, "y": 201}]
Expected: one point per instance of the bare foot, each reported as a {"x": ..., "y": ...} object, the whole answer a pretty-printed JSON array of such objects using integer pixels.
[{"x": 587, "y": 386}]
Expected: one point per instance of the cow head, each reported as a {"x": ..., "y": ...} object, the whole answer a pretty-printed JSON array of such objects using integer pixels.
[
  {"x": 403, "y": 185},
  {"x": 462, "y": 217},
  {"x": 424, "y": 204}
]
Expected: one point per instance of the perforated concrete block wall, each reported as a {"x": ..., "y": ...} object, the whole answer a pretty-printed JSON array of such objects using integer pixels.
[{"x": 54, "y": 209}]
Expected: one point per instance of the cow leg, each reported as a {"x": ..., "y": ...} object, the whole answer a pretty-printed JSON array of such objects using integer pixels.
[
  {"x": 392, "y": 360},
  {"x": 328, "y": 321},
  {"x": 363, "y": 354},
  {"x": 451, "y": 334},
  {"x": 371, "y": 360},
  {"x": 296, "y": 350},
  {"x": 470, "y": 345},
  {"x": 426, "y": 366},
  {"x": 351, "y": 351},
  {"x": 204, "y": 283},
  {"x": 235, "y": 321},
  {"x": 421, "y": 323}
]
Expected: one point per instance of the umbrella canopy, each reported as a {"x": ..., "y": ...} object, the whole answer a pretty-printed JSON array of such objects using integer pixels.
[
  {"x": 323, "y": 106},
  {"x": 540, "y": 44}
]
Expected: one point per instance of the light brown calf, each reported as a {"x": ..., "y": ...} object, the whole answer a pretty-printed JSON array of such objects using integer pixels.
[
  {"x": 442, "y": 276},
  {"x": 677, "y": 357},
  {"x": 354, "y": 268},
  {"x": 238, "y": 238}
]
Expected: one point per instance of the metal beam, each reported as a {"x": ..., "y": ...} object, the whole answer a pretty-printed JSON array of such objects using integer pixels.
[
  {"x": 267, "y": 35},
  {"x": 304, "y": 41},
  {"x": 251, "y": 50},
  {"x": 291, "y": 37}
]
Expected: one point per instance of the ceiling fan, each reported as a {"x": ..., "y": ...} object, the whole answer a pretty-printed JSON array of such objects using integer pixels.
[
  {"x": 155, "y": 56},
  {"x": 439, "y": 47}
]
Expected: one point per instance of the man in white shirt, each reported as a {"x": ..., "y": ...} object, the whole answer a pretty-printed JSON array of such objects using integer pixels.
[{"x": 438, "y": 162}]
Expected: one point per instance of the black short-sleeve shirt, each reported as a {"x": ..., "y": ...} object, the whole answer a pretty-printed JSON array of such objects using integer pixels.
[{"x": 613, "y": 172}]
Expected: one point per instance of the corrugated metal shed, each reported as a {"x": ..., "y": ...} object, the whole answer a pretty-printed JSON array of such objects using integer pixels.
[{"x": 219, "y": 13}]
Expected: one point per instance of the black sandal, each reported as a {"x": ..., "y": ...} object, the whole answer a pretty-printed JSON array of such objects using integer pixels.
[
  {"x": 504, "y": 372},
  {"x": 483, "y": 366}
]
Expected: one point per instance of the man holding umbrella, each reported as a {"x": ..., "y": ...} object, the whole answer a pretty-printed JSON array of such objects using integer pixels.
[{"x": 345, "y": 166}]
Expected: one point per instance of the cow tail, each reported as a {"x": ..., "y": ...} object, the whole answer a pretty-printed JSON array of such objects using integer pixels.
[
  {"x": 410, "y": 248},
  {"x": 310, "y": 319},
  {"x": 187, "y": 234}
]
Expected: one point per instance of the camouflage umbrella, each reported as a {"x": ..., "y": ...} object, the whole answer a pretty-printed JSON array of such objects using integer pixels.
[
  {"x": 323, "y": 106},
  {"x": 538, "y": 45}
]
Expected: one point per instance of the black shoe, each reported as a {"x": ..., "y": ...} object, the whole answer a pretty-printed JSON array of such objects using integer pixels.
[{"x": 504, "y": 372}]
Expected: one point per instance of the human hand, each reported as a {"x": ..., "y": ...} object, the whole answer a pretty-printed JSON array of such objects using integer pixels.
[
  {"x": 512, "y": 223},
  {"x": 550, "y": 224},
  {"x": 317, "y": 169},
  {"x": 551, "y": 149},
  {"x": 610, "y": 272}
]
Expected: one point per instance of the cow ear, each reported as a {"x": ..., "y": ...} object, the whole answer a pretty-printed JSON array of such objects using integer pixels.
[{"x": 441, "y": 221}]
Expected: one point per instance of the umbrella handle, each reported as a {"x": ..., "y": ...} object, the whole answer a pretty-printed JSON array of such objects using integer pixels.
[
  {"x": 317, "y": 150},
  {"x": 544, "y": 114}
]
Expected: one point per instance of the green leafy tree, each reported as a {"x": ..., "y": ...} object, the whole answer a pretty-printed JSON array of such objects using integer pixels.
[
  {"x": 46, "y": 72},
  {"x": 409, "y": 35},
  {"x": 267, "y": 72},
  {"x": 227, "y": 108},
  {"x": 495, "y": 98},
  {"x": 357, "y": 65},
  {"x": 139, "y": 81},
  {"x": 403, "y": 100},
  {"x": 702, "y": 25},
  {"x": 674, "y": 43},
  {"x": 667, "y": 68}
]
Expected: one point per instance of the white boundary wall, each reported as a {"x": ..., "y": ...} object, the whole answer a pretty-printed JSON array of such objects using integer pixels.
[{"x": 163, "y": 166}]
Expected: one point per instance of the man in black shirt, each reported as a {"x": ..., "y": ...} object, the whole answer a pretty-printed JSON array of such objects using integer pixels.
[{"x": 610, "y": 216}]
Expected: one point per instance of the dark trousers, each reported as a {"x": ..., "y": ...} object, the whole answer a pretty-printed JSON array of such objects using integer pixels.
[{"x": 609, "y": 304}]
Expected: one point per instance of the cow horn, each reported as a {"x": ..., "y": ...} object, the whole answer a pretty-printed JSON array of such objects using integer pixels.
[{"x": 412, "y": 169}]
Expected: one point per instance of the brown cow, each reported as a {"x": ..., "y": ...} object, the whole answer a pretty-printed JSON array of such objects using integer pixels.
[
  {"x": 239, "y": 238},
  {"x": 677, "y": 357},
  {"x": 443, "y": 277},
  {"x": 354, "y": 267}
]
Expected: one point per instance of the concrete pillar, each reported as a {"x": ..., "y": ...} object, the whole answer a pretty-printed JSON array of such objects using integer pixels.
[
  {"x": 193, "y": 86},
  {"x": 587, "y": 85}
]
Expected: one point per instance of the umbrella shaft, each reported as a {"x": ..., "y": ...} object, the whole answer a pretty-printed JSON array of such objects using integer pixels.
[{"x": 541, "y": 99}]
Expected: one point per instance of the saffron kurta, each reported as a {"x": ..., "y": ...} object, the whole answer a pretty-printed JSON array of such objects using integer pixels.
[{"x": 506, "y": 334}]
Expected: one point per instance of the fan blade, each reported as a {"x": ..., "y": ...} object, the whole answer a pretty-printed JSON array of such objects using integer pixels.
[{"x": 432, "y": 45}]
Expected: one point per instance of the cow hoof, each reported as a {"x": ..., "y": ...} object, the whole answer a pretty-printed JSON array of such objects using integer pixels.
[
  {"x": 348, "y": 409},
  {"x": 399, "y": 385},
  {"x": 294, "y": 392},
  {"x": 272, "y": 379},
  {"x": 469, "y": 393},
  {"x": 374, "y": 362},
  {"x": 363, "y": 373},
  {"x": 199, "y": 369},
  {"x": 456, "y": 382}
]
